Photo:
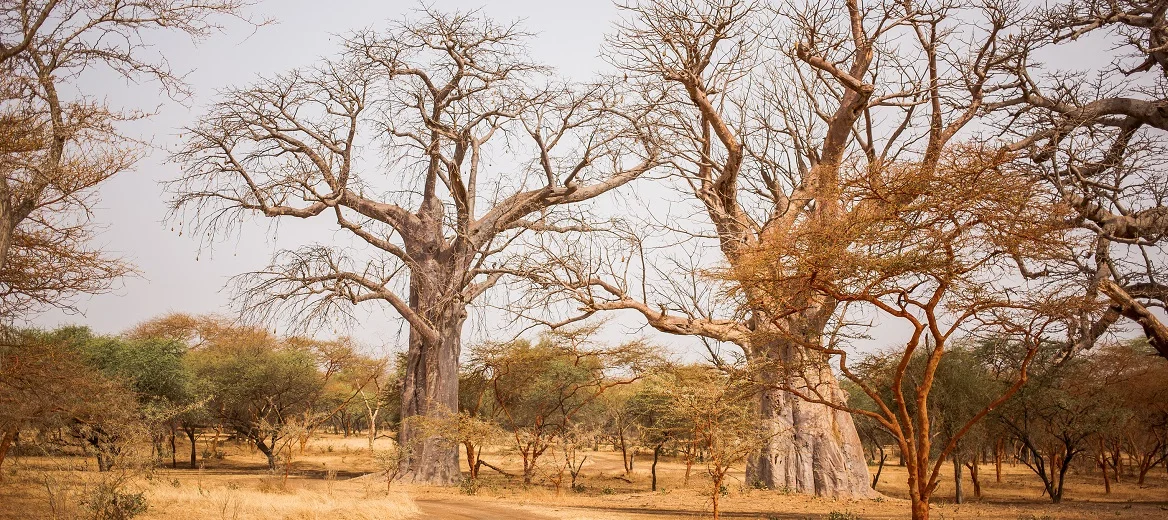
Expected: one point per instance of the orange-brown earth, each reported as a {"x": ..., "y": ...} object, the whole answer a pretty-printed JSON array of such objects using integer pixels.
[{"x": 331, "y": 479}]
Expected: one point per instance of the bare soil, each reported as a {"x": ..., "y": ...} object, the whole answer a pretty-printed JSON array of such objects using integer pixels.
[{"x": 334, "y": 479}]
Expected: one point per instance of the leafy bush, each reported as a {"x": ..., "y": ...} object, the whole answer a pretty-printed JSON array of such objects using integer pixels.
[{"x": 107, "y": 502}]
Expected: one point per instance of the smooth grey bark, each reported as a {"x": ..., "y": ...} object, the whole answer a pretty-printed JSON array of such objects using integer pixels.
[
  {"x": 431, "y": 391},
  {"x": 813, "y": 448}
]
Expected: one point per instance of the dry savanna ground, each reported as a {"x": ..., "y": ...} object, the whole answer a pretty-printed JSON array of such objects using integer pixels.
[{"x": 329, "y": 480}]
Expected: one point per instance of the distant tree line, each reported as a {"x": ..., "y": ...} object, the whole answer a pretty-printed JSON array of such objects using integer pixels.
[
  {"x": 196, "y": 377},
  {"x": 1103, "y": 413}
]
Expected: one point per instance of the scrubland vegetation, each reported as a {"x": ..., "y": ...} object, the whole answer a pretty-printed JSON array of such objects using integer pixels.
[
  {"x": 197, "y": 416},
  {"x": 921, "y": 264}
]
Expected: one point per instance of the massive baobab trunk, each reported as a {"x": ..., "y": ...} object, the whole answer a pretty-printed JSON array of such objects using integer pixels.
[
  {"x": 430, "y": 389},
  {"x": 812, "y": 448}
]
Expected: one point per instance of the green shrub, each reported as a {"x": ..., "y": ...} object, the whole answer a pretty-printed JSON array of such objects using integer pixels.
[{"x": 107, "y": 502}]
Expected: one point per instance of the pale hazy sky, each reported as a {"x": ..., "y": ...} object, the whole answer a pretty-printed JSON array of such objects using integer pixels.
[{"x": 175, "y": 274}]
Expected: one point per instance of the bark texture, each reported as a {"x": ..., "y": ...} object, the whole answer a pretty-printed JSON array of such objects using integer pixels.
[
  {"x": 812, "y": 448},
  {"x": 431, "y": 391}
]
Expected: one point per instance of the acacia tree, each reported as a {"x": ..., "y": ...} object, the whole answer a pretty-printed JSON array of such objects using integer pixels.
[
  {"x": 713, "y": 409},
  {"x": 59, "y": 140},
  {"x": 1142, "y": 388},
  {"x": 1096, "y": 134},
  {"x": 539, "y": 389},
  {"x": 1055, "y": 417},
  {"x": 762, "y": 109},
  {"x": 371, "y": 377},
  {"x": 929, "y": 245},
  {"x": 475, "y": 156},
  {"x": 262, "y": 387}
]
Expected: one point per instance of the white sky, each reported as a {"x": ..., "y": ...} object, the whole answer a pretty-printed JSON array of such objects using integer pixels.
[{"x": 175, "y": 275}]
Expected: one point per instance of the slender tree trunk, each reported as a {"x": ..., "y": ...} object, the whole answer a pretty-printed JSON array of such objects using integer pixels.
[
  {"x": 811, "y": 448},
  {"x": 880, "y": 467},
  {"x": 268, "y": 452},
  {"x": 689, "y": 460},
  {"x": 918, "y": 493},
  {"x": 1116, "y": 461},
  {"x": 471, "y": 459},
  {"x": 998, "y": 450},
  {"x": 1103, "y": 467},
  {"x": 973, "y": 476},
  {"x": 958, "y": 492},
  {"x": 194, "y": 454},
  {"x": 431, "y": 388},
  {"x": 6, "y": 440},
  {"x": 625, "y": 460},
  {"x": 7, "y": 226},
  {"x": 173, "y": 448},
  {"x": 716, "y": 496},
  {"x": 1057, "y": 497},
  {"x": 653, "y": 470},
  {"x": 920, "y": 508}
]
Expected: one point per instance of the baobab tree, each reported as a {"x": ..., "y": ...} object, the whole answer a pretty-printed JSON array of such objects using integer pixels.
[
  {"x": 1096, "y": 134},
  {"x": 480, "y": 145},
  {"x": 932, "y": 247},
  {"x": 761, "y": 108}
]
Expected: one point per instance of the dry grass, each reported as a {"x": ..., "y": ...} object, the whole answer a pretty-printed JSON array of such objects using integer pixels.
[
  {"x": 298, "y": 501},
  {"x": 321, "y": 486}
]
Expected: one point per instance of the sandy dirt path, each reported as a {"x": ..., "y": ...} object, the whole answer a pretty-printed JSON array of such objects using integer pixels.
[{"x": 467, "y": 510}]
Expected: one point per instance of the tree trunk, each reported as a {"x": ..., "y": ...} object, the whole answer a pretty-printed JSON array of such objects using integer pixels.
[
  {"x": 1062, "y": 478},
  {"x": 471, "y": 459},
  {"x": 173, "y": 449},
  {"x": 653, "y": 470},
  {"x": 716, "y": 496},
  {"x": 194, "y": 453},
  {"x": 431, "y": 390},
  {"x": 1103, "y": 466},
  {"x": 1116, "y": 461},
  {"x": 973, "y": 476},
  {"x": 958, "y": 493},
  {"x": 998, "y": 450},
  {"x": 625, "y": 461},
  {"x": 6, "y": 440},
  {"x": 880, "y": 467},
  {"x": 920, "y": 508},
  {"x": 812, "y": 448},
  {"x": 689, "y": 460},
  {"x": 268, "y": 452}
]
